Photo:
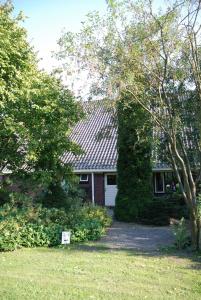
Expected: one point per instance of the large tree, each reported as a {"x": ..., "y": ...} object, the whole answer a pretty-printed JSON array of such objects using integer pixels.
[
  {"x": 155, "y": 58},
  {"x": 134, "y": 160},
  {"x": 36, "y": 111}
]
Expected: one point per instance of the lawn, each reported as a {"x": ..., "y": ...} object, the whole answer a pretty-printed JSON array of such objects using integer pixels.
[{"x": 89, "y": 272}]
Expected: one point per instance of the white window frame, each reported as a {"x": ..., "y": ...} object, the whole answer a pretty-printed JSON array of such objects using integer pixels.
[
  {"x": 106, "y": 179},
  {"x": 155, "y": 185},
  {"x": 84, "y": 180}
]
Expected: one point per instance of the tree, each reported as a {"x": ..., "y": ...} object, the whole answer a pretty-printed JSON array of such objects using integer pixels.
[
  {"x": 163, "y": 44},
  {"x": 36, "y": 111},
  {"x": 155, "y": 58},
  {"x": 134, "y": 161}
]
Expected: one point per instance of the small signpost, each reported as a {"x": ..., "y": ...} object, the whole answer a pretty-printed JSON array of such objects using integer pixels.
[{"x": 65, "y": 238}]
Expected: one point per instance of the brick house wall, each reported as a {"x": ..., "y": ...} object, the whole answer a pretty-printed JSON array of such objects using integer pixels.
[{"x": 99, "y": 189}]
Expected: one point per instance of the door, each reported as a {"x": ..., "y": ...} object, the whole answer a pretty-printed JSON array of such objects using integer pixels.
[{"x": 110, "y": 189}]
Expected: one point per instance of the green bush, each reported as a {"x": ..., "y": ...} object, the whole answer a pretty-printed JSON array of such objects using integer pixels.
[
  {"x": 34, "y": 226},
  {"x": 14, "y": 198},
  {"x": 98, "y": 213},
  {"x": 66, "y": 195},
  {"x": 4, "y": 196},
  {"x": 161, "y": 209},
  {"x": 14, "y": 235},
  {"x": 88, "y": 230},
  {"x": 92, "y": 223},
  {"x": 182, "y": 237},
  {"x": 10, "y": 237}
]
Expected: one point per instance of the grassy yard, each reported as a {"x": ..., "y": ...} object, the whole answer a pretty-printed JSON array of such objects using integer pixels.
[{"x": 97, "y": 273}]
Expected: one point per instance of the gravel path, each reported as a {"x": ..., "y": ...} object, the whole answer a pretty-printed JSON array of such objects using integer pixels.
[{"x": 139, "y": 237}]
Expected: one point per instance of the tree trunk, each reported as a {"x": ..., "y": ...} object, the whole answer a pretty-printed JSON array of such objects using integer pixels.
[
  {"x": 195, "y": 230},
  {"x": 188, "y": 188},
  {"x": 198, "y": 234}
]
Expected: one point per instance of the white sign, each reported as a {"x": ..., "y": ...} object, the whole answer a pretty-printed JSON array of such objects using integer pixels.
[{"x": 65, "y": 239}]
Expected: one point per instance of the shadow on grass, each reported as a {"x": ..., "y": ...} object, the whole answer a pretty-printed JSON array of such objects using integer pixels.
[
  {"x": 169, "y": 252},
  {"x": 97, "y": 247}
]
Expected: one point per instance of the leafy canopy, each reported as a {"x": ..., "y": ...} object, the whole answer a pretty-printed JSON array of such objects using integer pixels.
[{"x": 36, "y": 111}]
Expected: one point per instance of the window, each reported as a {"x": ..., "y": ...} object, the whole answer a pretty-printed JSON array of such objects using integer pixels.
[
  {"x": 159, "y": 183},
  {"x": 84, "y": 178},
  {"x": 170, "y": 182},
  {"x": 111, "y": 180}
]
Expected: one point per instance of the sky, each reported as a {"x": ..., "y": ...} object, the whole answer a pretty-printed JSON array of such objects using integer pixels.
[{"x": 47, "y": 18}]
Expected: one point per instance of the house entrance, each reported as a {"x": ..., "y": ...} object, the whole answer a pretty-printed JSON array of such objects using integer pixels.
[{"x": 110, "y": 189}]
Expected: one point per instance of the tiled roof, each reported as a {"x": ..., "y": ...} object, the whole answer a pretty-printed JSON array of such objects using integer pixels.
[{"x": 97, "y": 136}]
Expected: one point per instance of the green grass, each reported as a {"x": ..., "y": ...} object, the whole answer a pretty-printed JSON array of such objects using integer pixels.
[{"x": 89, "y": 272}]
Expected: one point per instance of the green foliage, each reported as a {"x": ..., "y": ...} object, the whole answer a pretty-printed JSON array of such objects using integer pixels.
[
  {"x": 154, "y": 56},
  {"x": 160, "y": 209},
  {"x": 87, "y": 230},
  {"x": 92, "y": 223},
  {"x": 182, "y": 237},
  {"x": 99, "y": 213},
  {"x": 199, "y": 206},
  {"x": 134, "y": 161},
  {"x": 18, "y": 199},
  {"x": 36, "y": 111},
  {"x": 68, "y": 196},
  {"x": 4, "y": 196},
  {"x": 30, "y": 235},
  {"x": 34, "y": 226},
  {"x": 15, "y": 235}
]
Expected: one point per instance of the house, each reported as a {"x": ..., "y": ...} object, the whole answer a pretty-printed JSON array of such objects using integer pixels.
[{"x": 97, "y": 166}]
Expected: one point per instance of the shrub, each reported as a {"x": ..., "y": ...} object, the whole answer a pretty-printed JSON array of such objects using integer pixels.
[
  {"x": 92, "y": 223},
  {"x": 68, "y": 196},
  {"x": 15, "y": 235},
  {"x": 161, "y": 209},
  {"x": 15, "y": 198},
  {"x": 4, "y": 196},
  {"x": 33, "y": 226},
  {"x": 9, "y": 238},
  {"x": 182, "y": 238},
  {"x": 98, "y": 213},
  {"x": 88, "y": 230}
]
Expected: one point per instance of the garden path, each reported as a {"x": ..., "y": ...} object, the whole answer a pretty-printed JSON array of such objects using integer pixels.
[{"x": 133, "y": 236}]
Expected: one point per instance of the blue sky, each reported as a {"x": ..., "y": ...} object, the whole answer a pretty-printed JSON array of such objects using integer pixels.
[{"x": 46, "y": 19}]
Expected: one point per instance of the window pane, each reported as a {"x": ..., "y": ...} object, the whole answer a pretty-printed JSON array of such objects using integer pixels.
[
  {"x": 111, "y": 179},
  {"x": 168, "y": 178},
  {"x": 159, "y": 183},
  {"x": 84, "y": 177},
  {"x": 170, "y": 181}
]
